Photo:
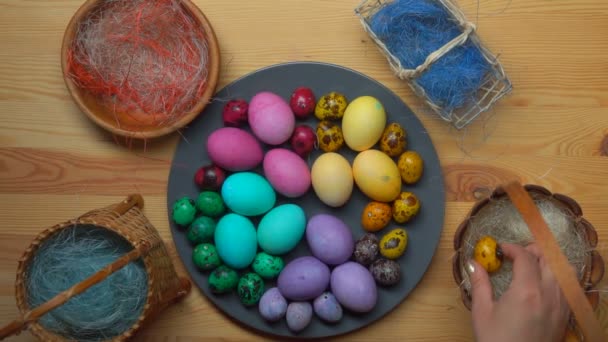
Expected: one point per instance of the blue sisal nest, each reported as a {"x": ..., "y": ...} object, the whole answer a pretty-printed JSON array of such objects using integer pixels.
[{"x": 430, "y": 44}]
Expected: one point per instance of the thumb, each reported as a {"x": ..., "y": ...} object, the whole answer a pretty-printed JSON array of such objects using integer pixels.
[{"x": 481, "y": 290}]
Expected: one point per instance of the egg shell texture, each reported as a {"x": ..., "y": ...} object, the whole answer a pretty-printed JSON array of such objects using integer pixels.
[
  {"x": 363, "y": 123},
  {"x": 329, "y": 239},
  {"x": 267, "y": 266},
  {"x": 273, "y": 305},
  {"x": 271, "y": 118},
  {"x": 223, "y": 279},
  {"x": 235, "y": 240},
  {"x": 354, "y": 287},
  {"x": 326, "y": 306},
  {"x": 287, "y": 172},
  {"x": 377, "y": 175},
  {"x": 234, "y": 149},
  {"x": 281, "y": 229},
  {"x": 332, "y": 179},
  {"x": 247, "y": 193},
  {"x": 304, "y": 278},
  {"x": 299, "y": 315}
]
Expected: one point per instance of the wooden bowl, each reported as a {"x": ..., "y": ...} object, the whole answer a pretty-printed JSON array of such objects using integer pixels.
[
  {"x": 594, "y": 263},
  {"x": 105, "y": 116}
]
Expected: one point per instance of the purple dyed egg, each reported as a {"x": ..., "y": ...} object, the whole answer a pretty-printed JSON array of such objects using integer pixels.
[
  {"x": 330, "y": 239},
  {"x": 354, "y": 287},
  {"x": 327, "y": 308},
  {"x": 273, "y": 305},
  {"x": 303, "y": 278},
  {"x": 299, "y": 315}
]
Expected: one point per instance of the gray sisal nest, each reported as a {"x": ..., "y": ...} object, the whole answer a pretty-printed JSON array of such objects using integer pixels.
[
  {"x": 497, "y": 217},
  {"x": 501, "y": 220}
]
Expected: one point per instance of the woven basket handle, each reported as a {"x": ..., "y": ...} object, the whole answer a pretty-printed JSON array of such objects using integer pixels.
[
  {"x": 559, "y": 265},
  {"x": 18, "y": 325},
  {"x": 134, "y": 200}
]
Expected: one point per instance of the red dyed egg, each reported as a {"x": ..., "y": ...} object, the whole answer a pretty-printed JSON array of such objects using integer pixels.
[
  {"x": 302, "y": 102},
  {"x": 235, "y": 113},
  {"x": 303, "y": 140},
  {"x": 210, "y": 177}
]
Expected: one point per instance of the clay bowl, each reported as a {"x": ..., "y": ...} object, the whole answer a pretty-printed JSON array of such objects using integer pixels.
[
  {"x": 105, "y": 117},
  {"x": 593, "y": 265}
]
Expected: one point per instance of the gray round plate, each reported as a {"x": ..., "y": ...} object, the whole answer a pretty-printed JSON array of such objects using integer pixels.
[{"x": 424, "y": 230}]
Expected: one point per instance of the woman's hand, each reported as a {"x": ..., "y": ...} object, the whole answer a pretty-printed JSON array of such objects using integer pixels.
[{"x": 532, "y": 309}]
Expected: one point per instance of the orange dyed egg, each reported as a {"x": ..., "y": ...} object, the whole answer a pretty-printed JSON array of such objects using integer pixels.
[{"x": 376, "y": 216}]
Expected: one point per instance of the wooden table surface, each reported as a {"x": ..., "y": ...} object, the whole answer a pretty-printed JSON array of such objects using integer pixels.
[{"x": 56, "y": 164}]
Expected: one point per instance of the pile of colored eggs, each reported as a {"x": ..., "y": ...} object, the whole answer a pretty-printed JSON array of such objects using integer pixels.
[{"x": 340, "y": 273}]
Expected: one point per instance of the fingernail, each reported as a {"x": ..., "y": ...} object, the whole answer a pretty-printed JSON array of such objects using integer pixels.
[{"x": 470, "y": 267}]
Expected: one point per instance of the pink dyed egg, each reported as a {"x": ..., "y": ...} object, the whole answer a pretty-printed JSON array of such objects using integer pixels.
[
  {"x": 271, "y": 118},
  {"x": 234, "y": 149},
  {"x": 287, "y": 172}
]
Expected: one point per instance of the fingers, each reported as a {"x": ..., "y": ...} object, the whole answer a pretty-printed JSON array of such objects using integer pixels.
[
  {"x": 550, "y": 285},
  {"x": 526, "y": 270},
  {"x": 482, "y": 295}
]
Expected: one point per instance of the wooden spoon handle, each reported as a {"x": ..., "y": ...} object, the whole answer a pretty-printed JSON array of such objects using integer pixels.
[
  {"x": 557, "y": 261},
  {"x": 33, "y": 315}
]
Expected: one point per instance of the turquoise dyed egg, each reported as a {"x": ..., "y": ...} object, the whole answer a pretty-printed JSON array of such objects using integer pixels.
[
  {"x": 235, "y": 240},
  {"x": 281, "y": 229},
  {"x": 267, "y": 266},
  {"x": 248, "y": 194}
]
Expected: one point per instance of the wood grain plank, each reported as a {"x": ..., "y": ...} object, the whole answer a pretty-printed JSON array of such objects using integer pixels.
[
  {"x": 55, "y": 164},
  {"x": 49, "y": 171}
]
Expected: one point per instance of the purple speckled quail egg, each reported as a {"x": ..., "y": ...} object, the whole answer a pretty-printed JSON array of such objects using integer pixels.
[
  {"x": 299, "y": 315},
  {"x": 273, "y": 305},
  {"x": 327, "y": 308}
]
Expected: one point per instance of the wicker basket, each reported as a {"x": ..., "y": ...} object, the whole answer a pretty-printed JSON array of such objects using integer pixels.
[
  {"x": 127, "y": 220},
  {"x": 494, "y": 86},
  {"x": 594, "y": 264}
]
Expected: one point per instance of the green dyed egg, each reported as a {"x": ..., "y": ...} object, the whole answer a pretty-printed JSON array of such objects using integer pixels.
[
  {"x": 223, "y": 279},
  {"x": 210, "y": 204},
  {"x": 248, "y": 194},
  {"x": 250, "y": 289},
  {"x": 201, "y": 230},
  {"x": 205, "y": 257},
  {"x": 267, "y": 266},
  {"x": 281, "y": 229},
  {"x": 235, "y": 239},
  {"x": 184, "y": 211}
]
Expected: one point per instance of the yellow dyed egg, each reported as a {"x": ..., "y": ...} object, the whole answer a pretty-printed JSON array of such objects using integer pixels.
[
  {"x": 329, "y": 136},
  {"x": 393, "y": 244},
  {"x": 405, "y": 207},
  {"x": 488, "y": 254},
  {"x": 410, "y": 166},
  {"x": 363, "y": 123},
  {"x": 394, "y": 140},
  {"x": 377, "y": 176},
  {"x": 332, "y": 179},
  {"x": 331, "y": 106}
]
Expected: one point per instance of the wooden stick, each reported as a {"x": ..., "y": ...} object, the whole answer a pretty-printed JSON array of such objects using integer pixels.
[
  {"x": 16, "y": 326},
  {"x": 564, "y": 273}
]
